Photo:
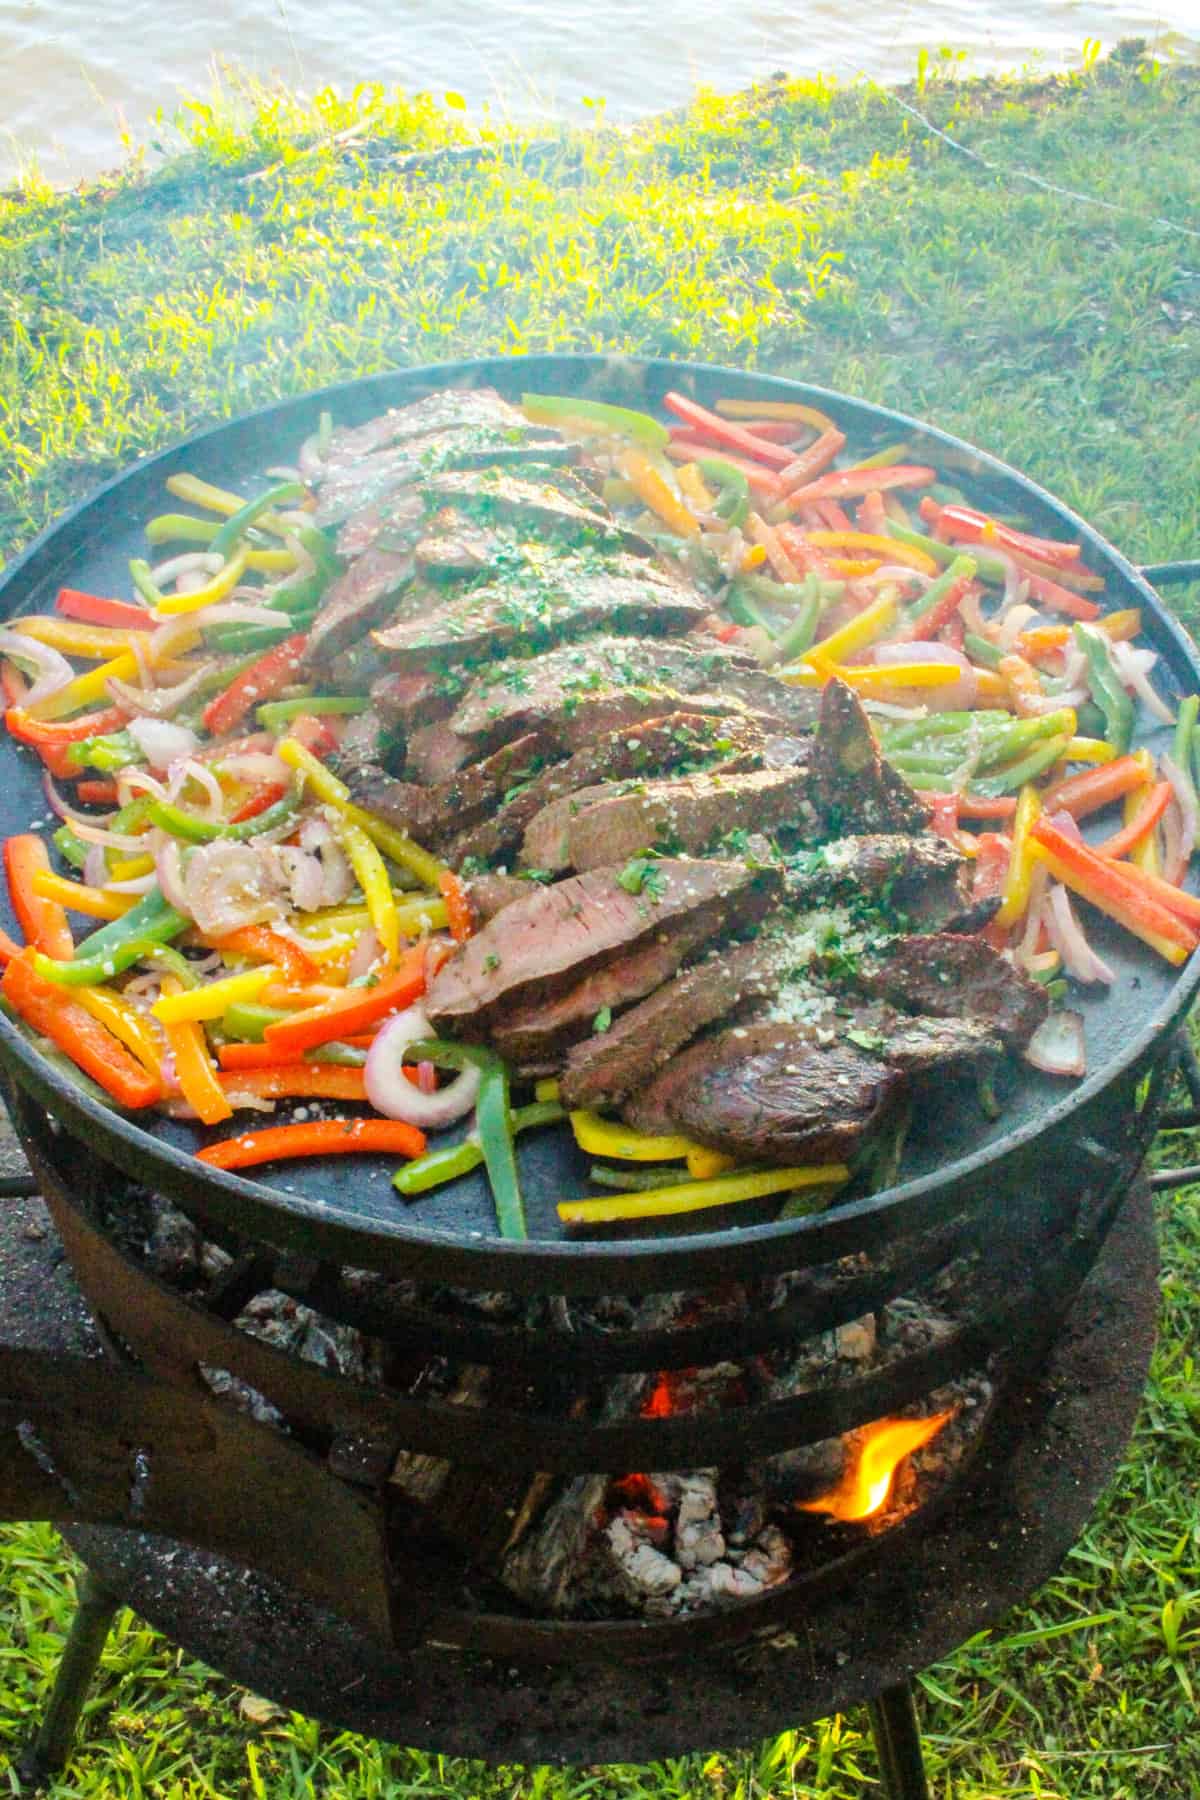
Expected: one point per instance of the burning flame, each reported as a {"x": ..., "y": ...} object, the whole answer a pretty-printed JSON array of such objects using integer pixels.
[{"x": 864, "y": 1488}]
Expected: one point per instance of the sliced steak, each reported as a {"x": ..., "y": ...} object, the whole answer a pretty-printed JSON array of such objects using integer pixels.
[
  {"x": 356, "y": 601},
  {"x": 603, "y": 1070},
  {"x": 919, "y": 876},
  {"x": 368, "y": 493},
  {"x": 854, "y": 790},
  {"x": 436, "y": 814},
  {"x": 391, "y": 522},
  {"x": 406, "y": 702},
  {"x": 490, "y": 894},
  {"x": 684, "y": 816},
  {"x": 654, "y": 746},
  {"x": 546, "y": 844},
  {"x": 539, "y": 946},
  {"x": 561, "y": 507},
  {"x": 447, "y": 410},
  {"x": 956, "y": 978},
  {"x": 923, "y": 1046},
  {"x": 766, "y": 1093},
  {"x": 535, "y": 608}
]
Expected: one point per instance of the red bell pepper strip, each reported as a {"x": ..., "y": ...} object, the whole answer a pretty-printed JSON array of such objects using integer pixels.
[
  {"x": 1146, "y": 818},
  {"x": 354, "y": 1008},
  {"x": 814, "y": 461},
  {"x": 991, "y": 864},
  {"x": 978, "y": 806},
  {"x": 774, "y": 431},
  {"x": 727, "y": 432},
  {"x": 966, "y": 526},
  {"x": 834, "y": 517},
  {"x": 1092, "y": 789},
  {"x": 1118, "y": 889},
  {"x": 297, "y": 1081},
  {"x": 315, "y": 734},
  {"x": 262, "y": 798},
  {"x": 847, "y": 484},
  {"x": 928, "y": 624},
  {"x": 261, "y": 681},
  {"x": 460, "y": 914},
  {"x": 266, "y": 1056},
  {"x": 93, "y": 610},
  {"x": 1061, "y": 599},
  {"x": 8, "y": 948},
  {"x": 50, "y": 1010},
  {"x": 97, "y": 793},
  {"x": 57, "y": 733},
  {"x": 44, "y": 922},
  {"x": 327, "y": 1137},
  {"x": 809, "y": 556},
  {"x": 943, "y": 810},
  {"x": 296, "y": 966},
  {"x": 871, "y": 514},
  {"x": 763, "y": 481}
]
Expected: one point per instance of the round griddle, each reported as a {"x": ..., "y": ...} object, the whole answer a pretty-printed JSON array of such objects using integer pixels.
[{"x": 346, "y": 1208}]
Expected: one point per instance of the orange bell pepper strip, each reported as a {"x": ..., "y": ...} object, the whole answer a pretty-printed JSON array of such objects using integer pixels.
[
  {"x": 1151, "y": 810},
  {"x": 782, "y": 565},
  {"x": 41, "y": 918},
  {"x": 850, "y": 484},
  {"x": 56, "y": 733},
  {"x": 814, "y": 461},
  {"x": 1119, "y": 890},
  {"x": 977, "y": 806},
  {"x": 871, "y": 514},
  {"x": 459, "y": 911},
  {"x": 297, "y": 1081},
  {"x": 269, "y": 946},
  {"x": 194, "y": 1066},
  {"x": 53, "y": 1011},
  {"x": 1092, "y": 789},
  {"x": 324, "y": 1137},
  {"x": 727, "y": 433},
  {"x": 267, "y": 1056},
  {"x": 354, "y": 1008}
]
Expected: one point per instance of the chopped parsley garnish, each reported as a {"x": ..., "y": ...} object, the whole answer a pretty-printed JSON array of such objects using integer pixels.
[
  {"x": 640, "y": 876},
  {"x": 602, "y": 1020}
]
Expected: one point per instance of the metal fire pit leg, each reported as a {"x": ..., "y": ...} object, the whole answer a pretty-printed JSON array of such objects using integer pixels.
[
  {"x": 897, "y": 1733},
  {"x": 49, "y": 1750}
]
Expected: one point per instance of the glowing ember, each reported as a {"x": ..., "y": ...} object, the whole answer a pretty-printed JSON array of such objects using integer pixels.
[{"x": 864, "y": 1488}]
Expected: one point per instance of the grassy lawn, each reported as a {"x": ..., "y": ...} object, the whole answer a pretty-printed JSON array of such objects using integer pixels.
[{"x": 811, "y": 231}]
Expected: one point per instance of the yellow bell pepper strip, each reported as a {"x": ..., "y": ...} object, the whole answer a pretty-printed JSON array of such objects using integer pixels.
[
  {"x": 78, "y": 897},
  {"x": 95, "y": 642},
  {"x": 394, "y": 843},
  {"x": 131, "y": 1027},
  {"x": 608, "y": 1137},
  {"x": 219, "y": 500},
  {"x": 886, "y": 548},
  {"x": 130, "y": 868},
  {"x": 1116, "y": 889},
  {"x": 372, "y": 877},
  {"x": 321, "y": 1137},
  {"x": 182, "y": 527},
  {"x": 786, "y": 411},
  {"x": 691, "y": 484},
  {"x": 194, "y": 1070},
  {"x": 222, "y": 583},
  {"x": 1088, "y": 750},
  {"x": 1014, "y": 897},
  {"x": 696, "y": 1196},
  {"x": 86, "y": 689},
  {"x": 657, "y": 494},
  {"x": 1119, "y": 627},
  {"x": 703, "y": 1164},
  {"x": 866, "y": 677},
  {"x": 1143, "y": 851},
  {"x": 90, "y": 1045},
  {"x": 210, "y": 1000},
  {"x": 874, "y": 622},
  {"x": 546, "y": 1090}
]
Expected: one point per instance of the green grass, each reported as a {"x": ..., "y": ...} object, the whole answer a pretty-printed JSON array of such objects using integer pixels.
[{"x": 804, "y": 229}]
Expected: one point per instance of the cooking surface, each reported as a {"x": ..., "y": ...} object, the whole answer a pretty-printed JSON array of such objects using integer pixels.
[{"x": 91, "y": 550}]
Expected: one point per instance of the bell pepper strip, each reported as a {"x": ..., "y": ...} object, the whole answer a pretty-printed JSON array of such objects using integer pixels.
[
  {"x": 1021, "y": 678},
  {"x": 884, "y": 459},
  {"x": 813, "y": 461},
  {"x": 8, "y": 948},
  {"x": 92, "y": 609},
  {"x": 1043, "y": 642},
  {"x": 265, "y": 945},
  {"x": 765, "y": 535},
  {"x": 221, "y": 585},
  {"x": 97, "y": 643},
  {"x": 394, "y": 843},
  {"x": 965, "y": 525},
  {"x": 726, "y": 432},
  {"x": 96, "y": 793},
  {"x": 866, "y": 677},
  {"x": 1120, "y": 627},
  {"x": 117, "y": 946},
  {"x": 371, "y": 874},
  {"x": 129, "y": 1026},
  {"x": 437, "y": 1167},
  {"x": 783, "y": 411},
  {"x": 194, "y": 1069},
  {"x": 656, "y": 492},
  {"x": 732, "y": 501},
  {"x": 40, "y": 915},
  {"x": 259, "y": 802},
  {"x": 693, "y": 488},
  {"x": 1144, "y": 853},
  {"x": 277, "y": 714},
  {"x": 567, "y": 410},
  {"x": 249, "y": 1024},
  {"x": 1106, "y": 688},
  {"x": 1092, "y": 789},
  {"x": 262, "y": 681},
  {"x": 943, "y": 820},
  {"x": 354, "y": 1009},
  {"x": 974, "y": 806},
  {"x": 831, "y": 516},
  {"x": 992, "y": 859},
  {"x": 1090, "y": 750},
  {"x": 142, "y": 577},
  {"x": 85, "y": 690},
  {"x": 608, "y": 1137},
  {"x": 323, "y": 1137},
  {"x": 933, "y": 609},
  {"x": 89, "y": 1044},
  {"x": 1149, "y": 805},
  {"x": 493, "y": 1124},
  {"x": 254, "y": 512},
  {"x": 179, "y": 823},
  {"x": 1114, "y": 888},
  {"x": 1015, "y": 775},
  {"x": 110, "y": 752},
  {"x": 874, "y": 622},
  {"x": 297, "y": 1081},
  {"x": 76, "y": 896},
  {"x": 871, "y": 516},
  {"x": 1063, "y": 600},
  {"x": 210, "y": 1000},
  {"x": 1014, "y": 896},
  {"x": 884, "y": 547},
  {"x": 301, "y": 999},
  {"x": 61, "y": 732},
  {"x": 697, "y": 1196},
  {"x": 799, "y": 635},
  {"x": 850, "y": 484},
  {"x": 759, "y": 479},
  {"x": 546, "y": 1089},
  {"x": 185, "y": 528},
  {"x": 262, "y": 1056},
  {"x": 703, "y": 1164},
  {"x": 459, "y": 911}
]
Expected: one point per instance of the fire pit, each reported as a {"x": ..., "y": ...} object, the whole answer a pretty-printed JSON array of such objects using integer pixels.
[{"x": 584, "y": 1459}]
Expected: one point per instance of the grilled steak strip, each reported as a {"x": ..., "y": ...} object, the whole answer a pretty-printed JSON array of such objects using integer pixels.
[
  {"x": 437, "y": 813},
  {"x": 921, "y": 876},
  {"x": 541, "y": 945},
  {"x": 448, "y": 410},
  {"x": 561, "y": 506},
  {"x": 956, "y": 978},
  {"x": 854, "y": 790},
  {"x": 687, "y": 815},
  {"x": 356, "y": 600}
]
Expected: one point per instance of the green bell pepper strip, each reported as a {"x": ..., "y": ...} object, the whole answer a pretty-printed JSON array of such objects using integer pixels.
[
  {"x": 437, "y": 1167},
  {"x": 798, "y": 636},
  {"x": 248, "y": 1022},
  {"x": 1106, "y": 687},
  {"x": 239, "y": 639},
  {"x": 109, "y": 752},
  {"x": 561, "y": 409},
  {"x": 117, "y": 946},
  {"x": 1185, "y": 734},
  {"x": 173, "y": 962},
  {"x": 70, "y": 847},
  {"x": 985, "y": 565},
  {"x": 742, "y": 608},
  {"x": 991, "y": 787},
  {"x": 277, "y": 713},
  {"x": 787, "y": 593},
  {"x": 633, "y": 1181},
  {"x": 961, "y": 569},
  {"x": 944, "y": 724},
  {"x": 981, "y": 651},
  {"x": 238, "y": 523},
  {"x": 143, "y": 581},
  {"x": 328, "y": 562},
  {"x": 170, "y": 528},
  {"x": 493, "y": 1122},
  {"x": 733, "y": 499},
  {"x": 194, "y": 830}
]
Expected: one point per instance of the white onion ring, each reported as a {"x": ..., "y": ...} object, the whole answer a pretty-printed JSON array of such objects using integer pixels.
[
  {"x": 1066, "y": 935},
  {"x": 1057, "y": 1046},
  {"x": 168, "y": 864},
  {"x": 158, "y": 703},
  {"x": 364, "y": 956},
  {"x": 162, "y": 743},
  {"x": 1013, "y": 624},
  {"x": 391, "y": 1092},
  {"x": 189, "y": 563},
  {"x": 95, "y": 866},
  {"x": 1134, "y": 666},
  {"x": 1185, "y": 798},
  {"x": 111, "y": 840},
  {"x": 49, "y": 666},
  {"x": 188, "y": 769},
  {"x": 140, "y": 884}
]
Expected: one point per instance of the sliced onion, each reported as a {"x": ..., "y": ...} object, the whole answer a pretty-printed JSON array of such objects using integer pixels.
[
  {"x": 1013, "y": 624},
  {"x": 1066, "y": 935},
  {"x": 1057, "y": 1047},
  {"x": 391, "y": 1092},
  {"x": 190, "y": 563},
  {"x": 169, "y": 637},
  {"x": 1025, "y": 951},
  {"x": 138, "y": 781},
  {"x": 161, "y": 742},
  {"x": 140, "y": 884},
  {"x": 59, "y": 807},
  {"x": 50, "y": 668},
  {"x": 1068, "y": 824},
  {"x": 364, "y": 956},
  {"x": 228, "y": 885},
  {"x": 311, "y": 465},
  {"x": 957, "y": 696},
  {"x": 427, "y": 1079},
  {"x": 317, "y": 834},
  {"x": 186, "y": 769},
  {"x": 1134, "y": 666},
  {"x": 95, "y": 866},
  {"x": 896, "y": 572},
  {"x": 168, "y": 864},
  {"x": 884, "y": 709},
  {"x": 970, "y": 612},
  {"x": 158, "y": 703},
  {"x": 256, "y": 766},
  {"x": 111, "y": 840},
  {"x": 1185, "y": 800}
]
